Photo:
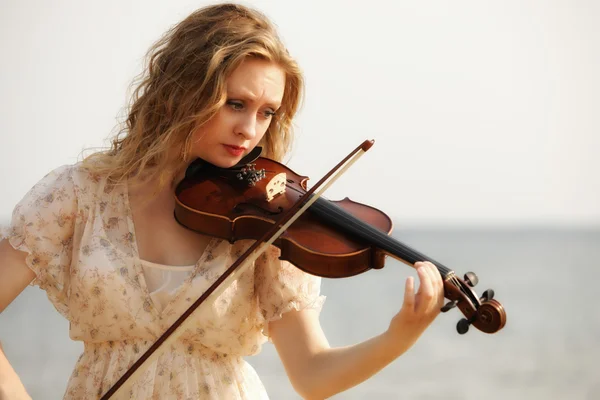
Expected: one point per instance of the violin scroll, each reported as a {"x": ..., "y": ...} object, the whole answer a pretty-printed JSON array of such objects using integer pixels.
[{"x": 484, "y": 313}]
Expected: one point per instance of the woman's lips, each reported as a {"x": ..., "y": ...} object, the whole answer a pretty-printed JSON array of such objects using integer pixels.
[{"x": 234, "y": 150}]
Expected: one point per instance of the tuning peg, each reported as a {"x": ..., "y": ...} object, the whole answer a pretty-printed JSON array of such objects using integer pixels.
[
  {"x": 463, "y": 326},
  {"x": 471, "y": 279},
  {"x": 487, "y": 295},
  {"x": 449, "y": 306}
]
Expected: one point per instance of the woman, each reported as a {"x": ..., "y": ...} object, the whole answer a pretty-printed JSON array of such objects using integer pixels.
[{"x": 100, "y": 238}]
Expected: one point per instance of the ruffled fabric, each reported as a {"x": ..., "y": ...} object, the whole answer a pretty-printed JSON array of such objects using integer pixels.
[
  {"x": 282, "y": 287},
  {"x": 42, "y": 226}
]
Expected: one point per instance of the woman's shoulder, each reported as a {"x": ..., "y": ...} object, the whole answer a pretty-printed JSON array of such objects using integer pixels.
[{"x": 88, "y": 183}]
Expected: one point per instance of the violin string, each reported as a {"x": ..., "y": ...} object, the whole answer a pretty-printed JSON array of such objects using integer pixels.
[{"x": 365, "y": 230}]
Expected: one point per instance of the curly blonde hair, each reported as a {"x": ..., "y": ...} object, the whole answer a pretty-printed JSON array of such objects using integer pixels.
[{"x": 183, "y": 86}]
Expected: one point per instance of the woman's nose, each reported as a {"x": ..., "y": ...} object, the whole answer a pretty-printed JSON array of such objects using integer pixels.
[{"x": 247, "y": 127}]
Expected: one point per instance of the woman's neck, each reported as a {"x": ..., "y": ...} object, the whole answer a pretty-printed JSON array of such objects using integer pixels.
[{"x": 148, "y": 188}]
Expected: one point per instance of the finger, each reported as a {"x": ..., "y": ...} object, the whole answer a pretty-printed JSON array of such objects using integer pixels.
[
  {"x": 425, "y": 276},
  {"x": 440, "y": 281},
  {"x": 428, "y": 269},
  {"x": 425, "y": 293},
  {"x": 418, "y": 265},
  {"x": 436, "y": 279},
  {"x": 409, "y": 293},
  {"x": 437, "y": 284}
]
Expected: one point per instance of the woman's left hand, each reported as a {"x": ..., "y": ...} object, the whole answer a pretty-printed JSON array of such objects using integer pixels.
[{"x": 419, "y": 309}]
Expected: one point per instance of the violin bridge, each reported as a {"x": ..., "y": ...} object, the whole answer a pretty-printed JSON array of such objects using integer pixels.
[{"x": 276, "y": 186}]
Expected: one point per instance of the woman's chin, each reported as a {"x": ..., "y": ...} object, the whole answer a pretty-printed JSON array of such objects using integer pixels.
[
  {"x": 223, "y": 162},
  {"x": 220, "y": 158},
  {"x": 227, "y": 165}
]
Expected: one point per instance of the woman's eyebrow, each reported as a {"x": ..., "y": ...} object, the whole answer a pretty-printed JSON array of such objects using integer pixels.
[{"x": 275, "y": 103}]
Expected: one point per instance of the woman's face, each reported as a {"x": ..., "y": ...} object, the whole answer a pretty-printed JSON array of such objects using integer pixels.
[{"x": 254, "y": 92}]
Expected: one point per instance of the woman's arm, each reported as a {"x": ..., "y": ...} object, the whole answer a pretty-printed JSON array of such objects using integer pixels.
[
  {"x": 11, "y": 387},
  {"x": 318, "y": 371},
  {"x": 15, "y": 275}
]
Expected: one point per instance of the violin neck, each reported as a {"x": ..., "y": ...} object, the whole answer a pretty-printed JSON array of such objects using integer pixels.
[{"x": 362, "y": 232}]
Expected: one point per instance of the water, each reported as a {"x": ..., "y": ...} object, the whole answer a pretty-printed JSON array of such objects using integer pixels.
[{"x": 549, "y": 349}]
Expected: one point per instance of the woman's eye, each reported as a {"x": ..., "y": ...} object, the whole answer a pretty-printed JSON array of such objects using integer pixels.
[
  {"x": 239, "y": 106},
  {"x": 236, "y": 105}
]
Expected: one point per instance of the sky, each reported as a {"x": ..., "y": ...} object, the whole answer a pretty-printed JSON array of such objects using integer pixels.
[{"x": 483, "y": 113}]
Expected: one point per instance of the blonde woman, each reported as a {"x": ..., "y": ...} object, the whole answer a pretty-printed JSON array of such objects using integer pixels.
[{"x": 100, "y": 238}]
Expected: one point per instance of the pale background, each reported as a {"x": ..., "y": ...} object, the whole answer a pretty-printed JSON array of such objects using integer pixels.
[{"x": 487, "y": 131}]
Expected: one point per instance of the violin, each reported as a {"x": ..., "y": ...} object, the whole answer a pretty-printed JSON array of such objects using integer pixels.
[
  {"x": 262, "y": 199},
  {"x": 332, "y": 239}
]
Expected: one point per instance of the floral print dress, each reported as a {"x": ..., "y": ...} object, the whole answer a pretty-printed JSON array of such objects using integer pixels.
[{"x": 79, "y": 236}]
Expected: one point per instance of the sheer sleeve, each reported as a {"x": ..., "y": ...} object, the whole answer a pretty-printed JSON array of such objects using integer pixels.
[
  {"x": 42, "y": 226},
  {"x": 282, "y": 287}
]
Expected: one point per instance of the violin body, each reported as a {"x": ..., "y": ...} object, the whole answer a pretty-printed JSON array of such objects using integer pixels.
[{"x": 222, "y": 206}]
